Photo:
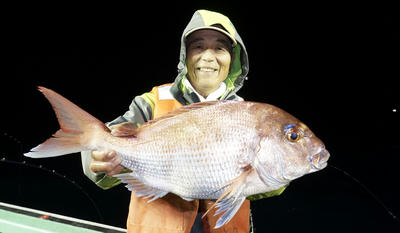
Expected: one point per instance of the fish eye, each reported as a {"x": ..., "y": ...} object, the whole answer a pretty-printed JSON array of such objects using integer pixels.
[
  {"x": 293, "y": 136},
  {"x": 293, "y": 133}
]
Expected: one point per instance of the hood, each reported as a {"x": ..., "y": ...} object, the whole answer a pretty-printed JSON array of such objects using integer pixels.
[{"x": 240, "y": 65}]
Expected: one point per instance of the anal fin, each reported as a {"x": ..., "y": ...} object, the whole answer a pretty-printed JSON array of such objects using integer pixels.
[{"x": 141, "y": 189}]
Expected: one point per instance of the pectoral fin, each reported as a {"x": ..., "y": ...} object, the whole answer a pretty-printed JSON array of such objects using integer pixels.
[
  {"x": 230, "y": 206},
  {"x": 231, "y": 200},
  {"x": 140, "y": 188}
]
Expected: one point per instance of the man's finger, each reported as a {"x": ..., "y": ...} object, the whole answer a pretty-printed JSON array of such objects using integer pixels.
[
  {"x": 97, "y": 166},
  {"x": 103, "y": 155},
  {"x": 118, "y": 169},
  {"x": 110, "y": 167}
]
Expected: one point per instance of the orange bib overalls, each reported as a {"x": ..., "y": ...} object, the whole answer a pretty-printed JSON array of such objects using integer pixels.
[{"x": 172, "y": 214}]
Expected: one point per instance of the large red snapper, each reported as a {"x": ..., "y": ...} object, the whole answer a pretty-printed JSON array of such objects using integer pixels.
[{"x": 224, "y": 150}]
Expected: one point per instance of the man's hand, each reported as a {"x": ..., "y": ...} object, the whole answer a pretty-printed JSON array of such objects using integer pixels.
[{"x": 106, "y": 161}]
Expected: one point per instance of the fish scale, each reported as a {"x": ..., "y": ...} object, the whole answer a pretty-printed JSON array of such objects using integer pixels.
[
  {"x": 224, "y": 150},
  {"x": 181, "y": 169},
  {"x": 215, "y": 148}
]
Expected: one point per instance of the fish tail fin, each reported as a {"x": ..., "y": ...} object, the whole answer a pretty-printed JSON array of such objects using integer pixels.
[{"x": 78, "y": 129}]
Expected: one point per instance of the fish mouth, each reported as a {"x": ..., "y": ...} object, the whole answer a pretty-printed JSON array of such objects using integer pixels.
[{"x": 320, "y": 160}]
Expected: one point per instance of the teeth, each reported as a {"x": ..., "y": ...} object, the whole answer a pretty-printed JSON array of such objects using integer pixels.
[{"x": 206, "y": 69}]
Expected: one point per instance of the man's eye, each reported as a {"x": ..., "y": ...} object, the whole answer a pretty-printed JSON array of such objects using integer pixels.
[{"x": 196, "y": 46}]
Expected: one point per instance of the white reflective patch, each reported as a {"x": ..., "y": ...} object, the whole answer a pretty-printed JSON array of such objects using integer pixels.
[{"x": 164, "y": 93}]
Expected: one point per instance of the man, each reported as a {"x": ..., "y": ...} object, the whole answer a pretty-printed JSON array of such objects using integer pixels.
[{"x": 213, "y": 65}]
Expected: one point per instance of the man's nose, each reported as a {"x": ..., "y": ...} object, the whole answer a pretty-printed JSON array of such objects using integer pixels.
[{"x": 208, "y": 55}]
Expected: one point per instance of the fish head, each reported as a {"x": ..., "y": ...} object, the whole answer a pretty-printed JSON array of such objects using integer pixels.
[{"x": 288, "y": 149}]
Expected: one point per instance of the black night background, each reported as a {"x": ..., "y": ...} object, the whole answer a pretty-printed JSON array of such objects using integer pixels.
[{"x": 332, "y": 66}]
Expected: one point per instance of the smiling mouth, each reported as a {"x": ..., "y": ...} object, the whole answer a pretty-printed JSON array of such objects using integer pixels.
[{"x": 206, "y": 69}]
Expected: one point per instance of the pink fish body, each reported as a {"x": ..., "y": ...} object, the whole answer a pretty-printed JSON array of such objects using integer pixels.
[{"x": 225, "y": 150}]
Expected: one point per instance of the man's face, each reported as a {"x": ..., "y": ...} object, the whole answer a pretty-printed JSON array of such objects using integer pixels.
[{"x": 208, "y": 60}]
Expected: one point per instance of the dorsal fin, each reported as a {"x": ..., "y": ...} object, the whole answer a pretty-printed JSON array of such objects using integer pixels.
[
  {"x": 181, "y": 110},
  {"x": 124, "y": 129}
]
